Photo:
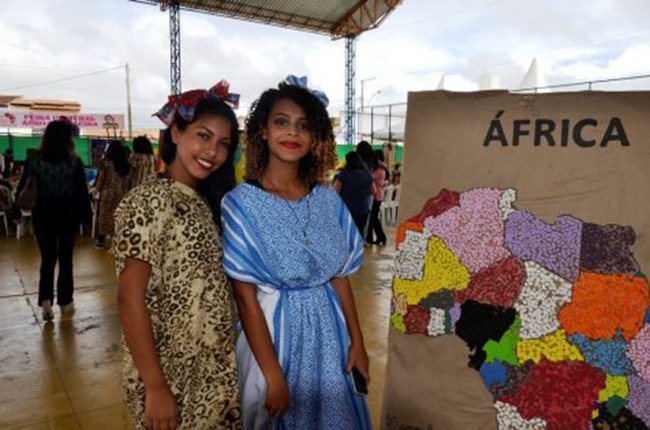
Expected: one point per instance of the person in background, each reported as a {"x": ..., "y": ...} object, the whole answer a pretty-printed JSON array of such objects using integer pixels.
[
  {"x": 354, "y": 185},
  {"x": 367, "y": 154},
  {"x": 379, "y": 177},
  {"x": 7, "y": 164},
  {"x": 396, "y": 175},
  {"x": 143, "y": 162},
  {"x": 389, "y": 149},
  {"x": 6, "y": 198},
  {"x": 113, "y": 182},
  {"x": 9, "y": 167},
  {"x": 62, "y": 203},
  {"x": 178, "y": 324},
  {"x": 289, "y": 246},
  {"x": 128, "y": 152}
]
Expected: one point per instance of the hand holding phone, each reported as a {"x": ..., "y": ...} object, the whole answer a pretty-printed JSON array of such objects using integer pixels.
[{"x": 358, "y": 382}]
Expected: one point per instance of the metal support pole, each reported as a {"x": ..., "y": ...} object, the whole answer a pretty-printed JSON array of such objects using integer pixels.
[
  {"x": 390, "y": 123},
  {"x": 372, "y": 124},
  {"x": 350, "y": 73},
  {"x": 128, "y": 101},
  {"x": 175, "y": 46},
  {"x": 363, "y": 82}
]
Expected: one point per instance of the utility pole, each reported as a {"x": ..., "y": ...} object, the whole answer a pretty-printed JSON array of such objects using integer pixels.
[{"x": 128, "y": 101}]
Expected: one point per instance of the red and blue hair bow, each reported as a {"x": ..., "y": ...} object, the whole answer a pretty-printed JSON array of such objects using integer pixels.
[{"x": 184, "y": 104}]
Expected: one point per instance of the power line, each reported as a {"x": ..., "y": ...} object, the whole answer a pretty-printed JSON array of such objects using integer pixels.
[{"x": 69, "y": 78}]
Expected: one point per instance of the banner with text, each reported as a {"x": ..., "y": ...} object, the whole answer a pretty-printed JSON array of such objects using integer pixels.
[{"x": 106, "y": 121}]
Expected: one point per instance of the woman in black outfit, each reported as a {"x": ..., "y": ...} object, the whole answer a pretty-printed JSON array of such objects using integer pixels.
[
  {"x": 367, "y": 155},
  {"x": 353, "y": 184},
  {"x": 62, "y": 203}
]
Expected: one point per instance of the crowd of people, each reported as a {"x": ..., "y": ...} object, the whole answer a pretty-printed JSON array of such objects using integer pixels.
[
  {"x": 361, "y": 184},
  {"x": 117, "y": 174},
  {"x": 235, "y": 302},
  {"x": 60, "y": 200},
  {"x": 8, "y": 171}
]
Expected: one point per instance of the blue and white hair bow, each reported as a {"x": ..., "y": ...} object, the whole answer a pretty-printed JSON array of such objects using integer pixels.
[{"x": 301, "y": 82}]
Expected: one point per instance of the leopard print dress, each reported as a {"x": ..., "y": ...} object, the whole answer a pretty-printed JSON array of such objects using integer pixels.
[
  {"x": 113, "y": 190},
  {"x": 169, "y": 226}
]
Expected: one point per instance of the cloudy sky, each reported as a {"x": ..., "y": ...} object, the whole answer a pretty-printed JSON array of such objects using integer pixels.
[{"x": 76, "y": 49}]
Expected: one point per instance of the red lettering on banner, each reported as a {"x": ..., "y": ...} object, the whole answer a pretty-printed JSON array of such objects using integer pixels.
[{"x": 40, "y": 120}]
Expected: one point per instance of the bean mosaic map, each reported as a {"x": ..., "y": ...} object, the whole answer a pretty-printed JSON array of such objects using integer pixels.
[{"x": 556, "y": 316}]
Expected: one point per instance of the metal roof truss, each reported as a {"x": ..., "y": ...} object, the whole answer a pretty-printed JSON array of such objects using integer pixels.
[{"x": 336, "y": 18}]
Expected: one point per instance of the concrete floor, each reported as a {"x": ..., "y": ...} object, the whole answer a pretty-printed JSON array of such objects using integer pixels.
[{"x": 65, "y": 374}]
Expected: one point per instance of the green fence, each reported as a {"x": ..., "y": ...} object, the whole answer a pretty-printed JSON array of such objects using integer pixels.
[
  {"x": 341, "y": 150},
  {"x": 21, "y": 144}
]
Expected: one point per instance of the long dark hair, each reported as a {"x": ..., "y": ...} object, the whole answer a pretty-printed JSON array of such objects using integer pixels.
[
  {"x": 367, "y": 154},
  {"x": 222, "y": 180},
  {"x": 353, "y": 162},
  {"x": 142, "y": 145},
  {"x": 117, "y": 154},
  {"x": 315, "y": 166},
  {"x": 57, "y": 145}
]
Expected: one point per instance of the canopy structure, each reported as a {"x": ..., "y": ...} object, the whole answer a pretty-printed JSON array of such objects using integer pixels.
[
  {"x": 47, "y": 105},
  {"x": 335, "y": 18},
  {"x": 6, "y": 100}
]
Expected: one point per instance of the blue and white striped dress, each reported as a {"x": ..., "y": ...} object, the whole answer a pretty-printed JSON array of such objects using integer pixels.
[{"x": 291, "y": 250}]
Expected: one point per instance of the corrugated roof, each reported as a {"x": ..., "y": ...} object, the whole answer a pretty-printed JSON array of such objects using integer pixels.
[
  {"x": 336, "y": 18},
  {"x": 47, "y": 104},
  {"x": 5, "y": 100}
]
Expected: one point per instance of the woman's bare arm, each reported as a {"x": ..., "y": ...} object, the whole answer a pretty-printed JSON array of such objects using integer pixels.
[
  {"x": 358, "y": 356},
  {"x": 160, "y": 403}
]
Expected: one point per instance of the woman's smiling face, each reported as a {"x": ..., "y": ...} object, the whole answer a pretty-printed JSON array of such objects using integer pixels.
[
  {"x": 287, "y": 132},
  {"x": 200, "y": 149}
]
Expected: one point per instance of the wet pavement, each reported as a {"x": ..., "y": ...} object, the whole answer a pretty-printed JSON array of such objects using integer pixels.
[{"x": 65, "y": 374}]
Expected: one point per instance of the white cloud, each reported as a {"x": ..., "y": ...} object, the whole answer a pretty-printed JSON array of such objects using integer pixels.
[{"x": 46, "y": 40}]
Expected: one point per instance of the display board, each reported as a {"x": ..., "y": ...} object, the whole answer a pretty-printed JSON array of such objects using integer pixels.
[{"x": 519, "y": 297}]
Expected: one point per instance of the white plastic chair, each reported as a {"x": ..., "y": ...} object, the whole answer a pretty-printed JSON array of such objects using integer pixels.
[
  {"x": 388, "y": 194},
  {"x": 25, "y": 218},
  {"x": 391, "y": 205}
]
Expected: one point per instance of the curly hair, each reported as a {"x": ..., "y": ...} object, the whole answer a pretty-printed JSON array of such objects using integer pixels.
[
  {"x": 222, "y": 180},
  {"x": 315, "y": 166}
]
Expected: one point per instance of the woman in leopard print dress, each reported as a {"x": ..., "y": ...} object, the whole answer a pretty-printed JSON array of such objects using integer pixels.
[{"x": 175, "y": 304}]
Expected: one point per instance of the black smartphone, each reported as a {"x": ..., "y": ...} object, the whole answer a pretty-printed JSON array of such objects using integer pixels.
[{"x": 358, "y": 382}]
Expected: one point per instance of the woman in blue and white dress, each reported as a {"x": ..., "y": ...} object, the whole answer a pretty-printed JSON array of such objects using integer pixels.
[{"x": 289, "y": 245}]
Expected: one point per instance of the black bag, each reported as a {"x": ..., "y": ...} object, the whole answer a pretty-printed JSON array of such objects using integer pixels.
[{"x": 82, "y": 203}]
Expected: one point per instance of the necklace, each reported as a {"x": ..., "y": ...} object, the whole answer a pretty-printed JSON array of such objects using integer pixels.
[{"x": 302, "y": 228}]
